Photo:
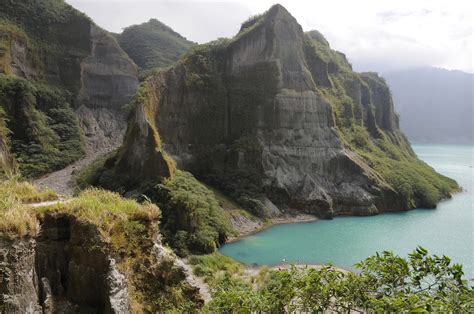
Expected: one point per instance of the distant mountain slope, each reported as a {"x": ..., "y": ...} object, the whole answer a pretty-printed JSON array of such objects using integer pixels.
[
  {"x": 153, "y": 44},
  {"x": 435, "y": 105},
  {"x": 63, "y": 84}
]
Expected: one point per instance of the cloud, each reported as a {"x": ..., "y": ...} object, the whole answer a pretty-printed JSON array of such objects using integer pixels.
[{"x": 394, "y": 33}]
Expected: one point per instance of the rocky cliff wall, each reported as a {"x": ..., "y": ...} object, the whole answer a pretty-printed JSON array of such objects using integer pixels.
[
  {"x": 275, "y": 116},
  {"x": 19, "y": 288},
  {"x": 72, "y": 268}
]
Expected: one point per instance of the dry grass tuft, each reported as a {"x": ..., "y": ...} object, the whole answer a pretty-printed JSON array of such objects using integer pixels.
[{"x": 16, "y": 218}]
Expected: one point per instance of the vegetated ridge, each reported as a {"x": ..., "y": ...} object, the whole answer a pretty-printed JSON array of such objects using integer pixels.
[{"x": 153, "y": 45}]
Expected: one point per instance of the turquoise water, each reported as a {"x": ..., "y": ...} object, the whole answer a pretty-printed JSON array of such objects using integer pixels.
[{"x": 346, "y": 240}]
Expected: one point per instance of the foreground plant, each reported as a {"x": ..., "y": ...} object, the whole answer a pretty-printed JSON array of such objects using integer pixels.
[{"x": 385, "y": 282}]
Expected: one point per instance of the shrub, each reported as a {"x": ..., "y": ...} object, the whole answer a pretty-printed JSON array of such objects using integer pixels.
[
  {"x": 192, "y": 213},
  {"x": 211, "y": 265}
]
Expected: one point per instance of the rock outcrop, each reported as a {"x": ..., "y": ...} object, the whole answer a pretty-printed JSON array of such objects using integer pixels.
[
  {"x": 71, "y": 268},
  {"x": 278, "y": 120},
  {"x": 19, "y": 287}
]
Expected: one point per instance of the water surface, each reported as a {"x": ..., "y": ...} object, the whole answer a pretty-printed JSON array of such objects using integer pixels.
[{"x": 344, "y": 241}]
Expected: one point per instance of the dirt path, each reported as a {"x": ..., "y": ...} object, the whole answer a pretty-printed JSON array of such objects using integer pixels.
[
  {"x": 104, "y": 132},
  {"x": 194, "y": 280},
  {"x": 62, "y": 181},
  {"x": 49, "y": 203}
]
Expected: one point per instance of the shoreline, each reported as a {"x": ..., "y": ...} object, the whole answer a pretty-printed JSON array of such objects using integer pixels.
[
  {"x": 254, "y": 270},
  {"x": 280, "y": 220}
]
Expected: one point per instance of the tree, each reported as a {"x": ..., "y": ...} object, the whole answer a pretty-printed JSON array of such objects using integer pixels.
[{"x": 385, "y": 282}]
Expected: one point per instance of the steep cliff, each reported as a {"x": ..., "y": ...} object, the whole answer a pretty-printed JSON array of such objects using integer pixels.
[
  {"x": 279, "y": 121},
  {"x": 63, "y": 83},
  {"x": 153, "y": 45}
]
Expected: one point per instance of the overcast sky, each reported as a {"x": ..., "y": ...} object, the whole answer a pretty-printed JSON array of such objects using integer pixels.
[{"x": 376, "y": 35}]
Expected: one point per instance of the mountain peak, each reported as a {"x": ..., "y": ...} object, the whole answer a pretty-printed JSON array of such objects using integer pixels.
[{"x": 278, "y": 8}]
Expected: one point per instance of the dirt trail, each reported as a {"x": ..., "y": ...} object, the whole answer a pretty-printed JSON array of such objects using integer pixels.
[
  {"x": 62, "y": 181},
  {"x": 104, "y": 132},
  {"x": 49, "y": 203}
]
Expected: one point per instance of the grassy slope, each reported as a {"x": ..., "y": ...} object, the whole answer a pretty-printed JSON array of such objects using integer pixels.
[{"x": 128, "y": 231}]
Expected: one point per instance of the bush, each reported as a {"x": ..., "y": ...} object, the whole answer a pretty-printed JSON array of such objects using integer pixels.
[
  {"x": 193, "y": 220},
  {"x": 209, "y": 266}
]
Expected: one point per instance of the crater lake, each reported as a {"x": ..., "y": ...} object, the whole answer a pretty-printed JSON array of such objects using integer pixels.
[{"x": 344, "y": 241}]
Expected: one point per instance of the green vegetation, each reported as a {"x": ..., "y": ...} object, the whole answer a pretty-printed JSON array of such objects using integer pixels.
[
  {"x": 90, "y": 175},
  {"x": 7, "y": 164},
  {"x": 42, "y": 19},
  {"x": 213, "y": 267},
  {"x": 45, "y": 134},
  {"x": 131, "y": 229},
  {"x": 104, "y": 209},
  {"x": 153, "y": 45},
  {"x": 49, "y": 37},
  {"x": 193, "y": 220},
  {"x": 385, "y": 283}
]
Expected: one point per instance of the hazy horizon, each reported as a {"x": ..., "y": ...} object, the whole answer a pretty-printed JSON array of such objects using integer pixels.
[{"x": 385, "y": 36}]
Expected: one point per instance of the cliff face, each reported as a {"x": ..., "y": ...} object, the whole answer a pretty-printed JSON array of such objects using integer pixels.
[
  {"x": 19, "y": 282},
  {"x": 275, "y": 117},
  {"x": 78, "y": 264},
  {"x": 52, "y": 53}
]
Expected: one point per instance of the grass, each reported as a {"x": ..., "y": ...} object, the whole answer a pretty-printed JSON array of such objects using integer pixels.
[
  {"x": 89, "y": 175},
  {"x": 104, "y": 209},
  {"x": 212, "y": 266},
  {"x": 17, "y": 219},
  {"x": 127, "y": 229}
]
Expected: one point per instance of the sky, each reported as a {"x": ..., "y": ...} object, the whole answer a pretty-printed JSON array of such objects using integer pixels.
[{"x": 376, "y": 35}]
